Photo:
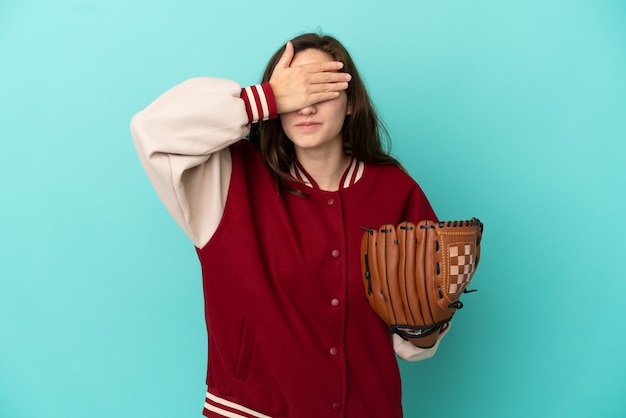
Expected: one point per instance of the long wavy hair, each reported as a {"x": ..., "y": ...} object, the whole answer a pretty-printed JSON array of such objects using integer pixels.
[{"x": 364, "y": 134}]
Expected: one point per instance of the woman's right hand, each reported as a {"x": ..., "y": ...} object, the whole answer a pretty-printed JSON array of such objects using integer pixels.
[{"x": 301, "y": 86}]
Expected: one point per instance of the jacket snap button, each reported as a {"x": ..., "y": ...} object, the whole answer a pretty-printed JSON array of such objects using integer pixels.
[
  {"x": 330, "y": 201},
  {"x": 335, "y": 302},
  {"x": 336, "y": 406},
  {"x": 336, "y": 253},
  {"x": 333, "y": 351}
]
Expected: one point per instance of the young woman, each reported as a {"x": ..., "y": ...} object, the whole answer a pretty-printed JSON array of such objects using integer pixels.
[{"x": 272, "y": 183}]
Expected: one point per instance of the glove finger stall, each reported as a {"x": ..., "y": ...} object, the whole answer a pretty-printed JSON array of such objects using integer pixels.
[{"x": 371, "y": 273}]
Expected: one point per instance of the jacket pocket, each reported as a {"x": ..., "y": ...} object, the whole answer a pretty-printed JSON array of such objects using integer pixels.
[{"x": 245, "y": 351}]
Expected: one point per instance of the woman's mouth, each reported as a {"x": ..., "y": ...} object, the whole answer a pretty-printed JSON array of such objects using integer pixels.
[{"x": 306, "y": 126}]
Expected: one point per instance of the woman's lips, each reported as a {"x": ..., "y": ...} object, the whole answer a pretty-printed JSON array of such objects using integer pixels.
[{"x": 307, "y": 126}]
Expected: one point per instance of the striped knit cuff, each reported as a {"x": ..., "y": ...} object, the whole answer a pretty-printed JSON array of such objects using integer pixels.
[{"x": 260, "y": 102}]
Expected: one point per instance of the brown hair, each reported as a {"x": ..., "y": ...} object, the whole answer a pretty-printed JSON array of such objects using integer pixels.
[{"x": 363, "y": 132}]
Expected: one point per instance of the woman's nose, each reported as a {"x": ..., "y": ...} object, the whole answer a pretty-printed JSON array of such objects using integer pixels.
[{"x": 306, "y": 111}]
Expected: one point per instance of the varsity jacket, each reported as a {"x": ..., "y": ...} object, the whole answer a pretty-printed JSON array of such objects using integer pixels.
[{"x": 290, "y": 333}]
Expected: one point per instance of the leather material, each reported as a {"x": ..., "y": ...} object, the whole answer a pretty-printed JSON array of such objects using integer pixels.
[{"x": 414, "y": 275}]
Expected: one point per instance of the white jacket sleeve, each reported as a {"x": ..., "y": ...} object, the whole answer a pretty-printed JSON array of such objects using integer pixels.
[
  {"x": 182, "y": 139},
  {"x": 407, "y": 351}
]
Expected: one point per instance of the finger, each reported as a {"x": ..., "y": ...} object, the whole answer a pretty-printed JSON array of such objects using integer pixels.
[
  {"x": 323, "y": 96},
  {"x": 328, "y": 87},
  {"x": 287, "y": 57},
  {"x": 323, "y": 66},
  {"x": 327, "y": 77}
]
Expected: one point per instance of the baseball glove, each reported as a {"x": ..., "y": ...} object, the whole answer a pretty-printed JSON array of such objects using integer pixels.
[{"x": 414, "y": 275}]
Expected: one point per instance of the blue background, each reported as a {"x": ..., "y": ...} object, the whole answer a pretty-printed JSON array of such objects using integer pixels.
[{"x": 512, "y": 111}]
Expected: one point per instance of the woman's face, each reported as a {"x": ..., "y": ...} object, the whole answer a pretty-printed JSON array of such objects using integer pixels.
[{"x": 318, "y": 126}]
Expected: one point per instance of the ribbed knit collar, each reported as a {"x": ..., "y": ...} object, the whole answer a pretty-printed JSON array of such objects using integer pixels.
[{"x": 352, "y": 174}]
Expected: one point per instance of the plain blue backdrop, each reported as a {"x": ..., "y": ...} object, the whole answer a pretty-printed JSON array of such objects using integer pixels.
[{"x": 511, "y": 111}]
